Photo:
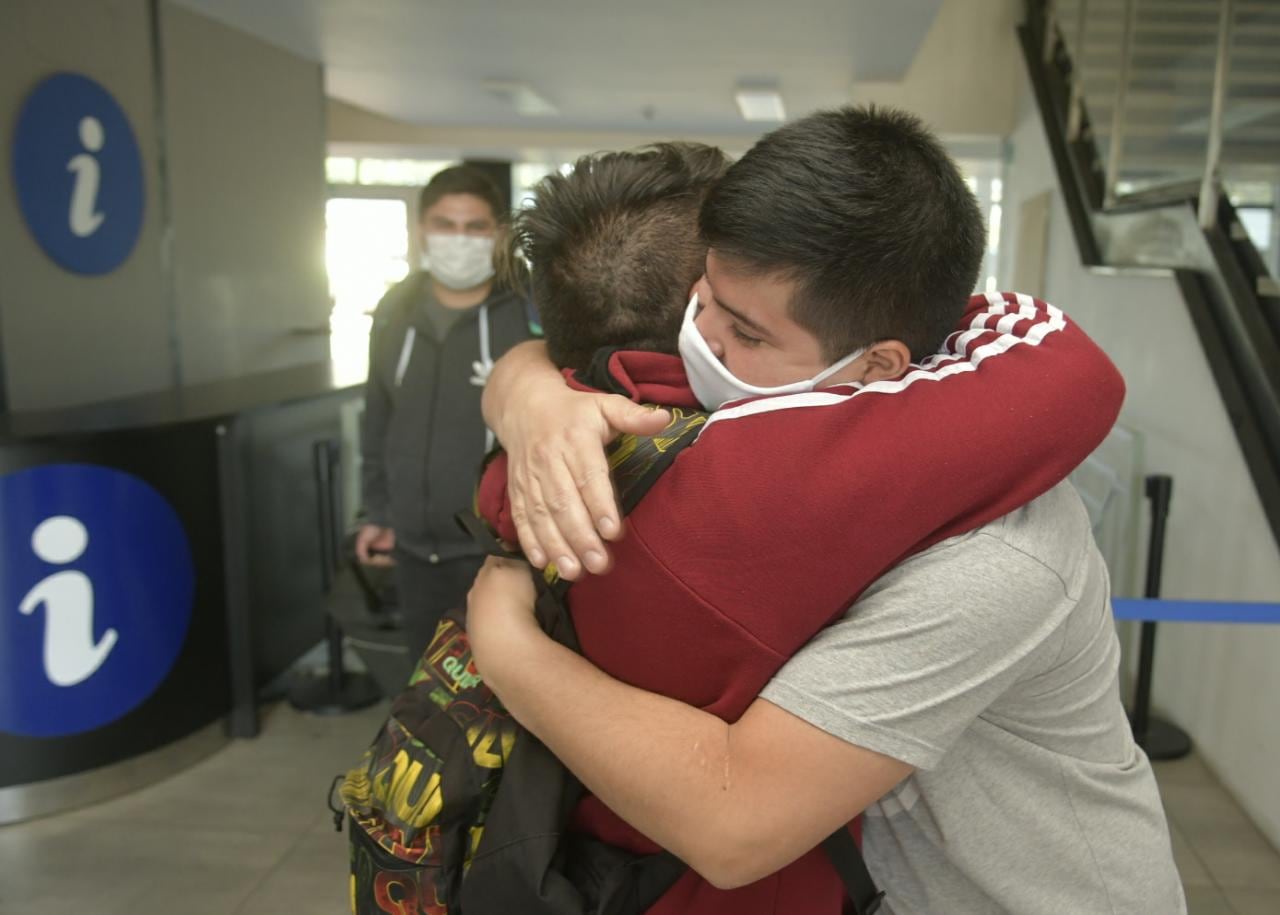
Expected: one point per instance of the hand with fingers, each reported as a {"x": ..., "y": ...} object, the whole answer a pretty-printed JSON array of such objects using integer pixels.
[
  {"x": 562, "y": 498},
  {"x": 500, "y": 615}
]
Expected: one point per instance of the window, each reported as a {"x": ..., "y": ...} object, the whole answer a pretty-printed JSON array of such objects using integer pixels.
[
  {"x": 983, "y": 176},
  {"x": 341, "y": 170},
  {"x": 1257, "y": 222},
  {"x": 526, "y": 175},
  {"x": 366, "y": 253},
  {"x": 383, "y": 172},
  {"x": 1257, "y": 204}
]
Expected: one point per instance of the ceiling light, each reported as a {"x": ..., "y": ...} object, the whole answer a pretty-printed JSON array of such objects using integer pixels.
[
  {"x": 760, "y": 102},
  {"x": 524, "y": 98}
]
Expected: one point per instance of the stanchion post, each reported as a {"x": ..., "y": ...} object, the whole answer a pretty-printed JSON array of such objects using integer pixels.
[
  {"x": 1160, "y": 739},
  {"x": 337, "y": 690}
]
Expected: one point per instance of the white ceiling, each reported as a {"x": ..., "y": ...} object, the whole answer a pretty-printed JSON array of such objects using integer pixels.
[{"x": 667, "y": 65}]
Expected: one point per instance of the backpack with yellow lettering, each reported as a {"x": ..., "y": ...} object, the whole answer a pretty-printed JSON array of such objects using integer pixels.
[{"x": 457, "y": 810}]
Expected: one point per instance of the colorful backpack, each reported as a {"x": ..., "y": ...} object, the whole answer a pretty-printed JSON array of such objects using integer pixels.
[{"x": 457, "y": 810}]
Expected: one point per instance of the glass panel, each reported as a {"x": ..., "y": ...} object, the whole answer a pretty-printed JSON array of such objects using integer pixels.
[{"x": 1110, "y": 486}]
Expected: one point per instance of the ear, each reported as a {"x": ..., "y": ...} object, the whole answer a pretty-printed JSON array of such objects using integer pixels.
[{"x": 884, "y": 360}]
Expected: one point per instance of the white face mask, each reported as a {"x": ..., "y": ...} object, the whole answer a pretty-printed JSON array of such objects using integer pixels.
[
  {"x": 714, "y": 385},
  {"x": 459, "y": 261}
]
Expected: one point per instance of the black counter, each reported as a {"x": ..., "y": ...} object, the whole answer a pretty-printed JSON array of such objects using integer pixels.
[{"x": 246, "y": 472}]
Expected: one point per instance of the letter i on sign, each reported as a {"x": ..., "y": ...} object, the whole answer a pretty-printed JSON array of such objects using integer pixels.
[
  {"x": 79, "y": 175},
  {"x": 71, "y": 654},
  {"x": 84, "y": 217}
]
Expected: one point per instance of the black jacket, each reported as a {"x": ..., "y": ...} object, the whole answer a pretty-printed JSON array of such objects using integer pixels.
[{"x": 423, "y": 437}]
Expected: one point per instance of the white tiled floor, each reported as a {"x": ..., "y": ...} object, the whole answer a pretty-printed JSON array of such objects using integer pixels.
[
  {"x": 1227, "y": 866},
  {"x": 247, "y": 832}
]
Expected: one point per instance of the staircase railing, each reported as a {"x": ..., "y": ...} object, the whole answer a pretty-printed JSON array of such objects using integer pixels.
[{"x": 1129, "y": 171}]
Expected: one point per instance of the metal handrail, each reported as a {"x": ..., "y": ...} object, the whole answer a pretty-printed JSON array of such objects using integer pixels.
[
  {"x": 1075, "y": 107},
  {"x": 1209, "y": 189},
  {"x": 1116, "y": 148},
  {"x": 1221, "y": 292},
  {"x": 1209, "y": 183},
  {"x": 1050, "y": 25}
]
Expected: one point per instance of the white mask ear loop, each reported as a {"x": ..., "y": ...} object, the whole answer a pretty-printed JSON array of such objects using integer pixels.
[{"x": 840, "y": 366}]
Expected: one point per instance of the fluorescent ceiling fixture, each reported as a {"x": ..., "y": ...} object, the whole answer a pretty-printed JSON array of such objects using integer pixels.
[
  {"x": 760, "y": 103},
  {"x": 523, "y": 97}
]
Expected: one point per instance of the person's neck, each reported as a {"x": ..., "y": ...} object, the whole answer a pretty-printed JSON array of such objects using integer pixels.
[{"x": 460, "y": 298}]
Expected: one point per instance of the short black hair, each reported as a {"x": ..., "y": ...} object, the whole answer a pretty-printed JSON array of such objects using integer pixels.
[
  {"x": 864, "y": 209},
  {"x": 462, "y": 179},
  {"x": 614, "y": 248}
]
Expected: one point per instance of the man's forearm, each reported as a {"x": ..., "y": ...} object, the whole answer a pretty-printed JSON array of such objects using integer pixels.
[
  {"x": 522, "y": 365},
  {"x": 734, "y": 801},
  {"x": 661, "y": 765}
]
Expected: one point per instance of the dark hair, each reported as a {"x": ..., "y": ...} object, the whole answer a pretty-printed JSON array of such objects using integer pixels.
[
  {"x": 868, "y": 214},
  {"x": 614, "y": 248},
  {"x": 462, "y": 179}
]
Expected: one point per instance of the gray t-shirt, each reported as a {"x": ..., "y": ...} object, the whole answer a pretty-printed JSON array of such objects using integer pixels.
[{"x": 990, "y": 663}]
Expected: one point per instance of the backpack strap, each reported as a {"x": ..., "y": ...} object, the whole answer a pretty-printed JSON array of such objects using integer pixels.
[
  {"x": 484, "y": 538},
  {"x": 847, "y": 859},
  {"x": 553, "y": 865},
  {"x": 636, "y": 462}
]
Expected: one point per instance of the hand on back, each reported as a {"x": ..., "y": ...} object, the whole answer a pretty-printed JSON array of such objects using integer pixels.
[{"x": 562, "y": 498}]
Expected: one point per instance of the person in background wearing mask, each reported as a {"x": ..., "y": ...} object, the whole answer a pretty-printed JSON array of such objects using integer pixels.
[{"x": 435, "y": 336}]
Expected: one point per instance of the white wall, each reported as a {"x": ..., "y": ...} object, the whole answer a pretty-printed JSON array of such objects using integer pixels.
[
  {"x": 1217, "y": 682},
  {"x": 229, "y": 265},
  {"x": 245, "y": 137},
  {"x": 965, "y": 77},
  {"x": 69, "y": 339}
]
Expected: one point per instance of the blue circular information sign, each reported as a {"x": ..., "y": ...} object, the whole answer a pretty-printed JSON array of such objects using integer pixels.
[
  {"x": 78, "y": 174},
  {"x": 96, "y": 591}
]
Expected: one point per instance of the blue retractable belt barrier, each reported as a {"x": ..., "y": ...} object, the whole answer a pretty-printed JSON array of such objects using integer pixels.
[{"x": 1194, "y": 611}]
